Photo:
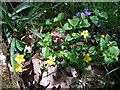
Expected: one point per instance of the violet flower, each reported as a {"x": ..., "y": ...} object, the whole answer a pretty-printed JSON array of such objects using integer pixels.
[
  {"x": 86, "y": 11},
  {"x": 78, "y": 14}
]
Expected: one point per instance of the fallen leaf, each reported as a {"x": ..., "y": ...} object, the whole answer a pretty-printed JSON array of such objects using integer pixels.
[{"x": 36, "y": 67}]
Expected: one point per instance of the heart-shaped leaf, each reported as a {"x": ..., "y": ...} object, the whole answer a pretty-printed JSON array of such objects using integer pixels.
[{"x": 74, "y": 22}]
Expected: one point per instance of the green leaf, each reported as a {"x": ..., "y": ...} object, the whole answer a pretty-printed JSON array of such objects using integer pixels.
[
  {"x": 85, "y": 23},
  {"x": 60, "y": 16},
  {"x": 102, "y": 44},
  {"x": 36, "y": 33},
  {"x": 83, "y": 16},
  {"x": 92, "y": 50},
  {"x": 67, "y": 26},
  {"x": 45, "y": 51},
  {"x": 107, "y": 38},
  {"x": 74, "y": 22},
  {"x": 55, "y": 19},
  {"x": 107, "y": 58},
  {"x": 112, "y": 71},
  {"x": 103, "y": 15},
  {"x": 2, "y": 22},
  {"x": 20, "y": 45},
  {"x": 48, "y": 38},
  {"x": 94, "y": 19},
  {"x": 30, "y": 19},
  {"x": 113, "y": 43},
  {"x": 21, "y": 7},
  {"x": 68, "y": 38},
  {"x": 59, "y": 30},
  {"x": 113, "y": 51},
  {"x": 48, "y": 22},
  {"x": 102, "y": 80},
  {"x": 12, "y": 50}
]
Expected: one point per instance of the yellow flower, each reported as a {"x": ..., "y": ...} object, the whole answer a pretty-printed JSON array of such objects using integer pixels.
[
  {"x": 85, "y": 33},
  {"x": 73, "y": 34},
  {"x": 102, "y": 36},
  {"x": 86, "y": 57},
  {"x": 61, "y": 52},
  {"x": 19, "y": 59},
  {"x": 18, "y": 67},
  {"x": 50, "y": 61}
]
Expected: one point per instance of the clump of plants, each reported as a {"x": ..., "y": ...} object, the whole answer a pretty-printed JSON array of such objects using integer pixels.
[{"x": 62, "y": 40}]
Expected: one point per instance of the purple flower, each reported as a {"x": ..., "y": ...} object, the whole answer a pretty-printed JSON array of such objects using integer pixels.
[
  {"x": 86, "y": 11},
  {"x": 78, "y": 14}
]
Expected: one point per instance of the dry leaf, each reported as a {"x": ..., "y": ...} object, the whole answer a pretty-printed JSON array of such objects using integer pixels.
[{"x": 36, "y": 67}]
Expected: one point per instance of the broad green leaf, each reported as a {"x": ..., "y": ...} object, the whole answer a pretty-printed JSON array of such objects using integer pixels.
[
  {"x": 92, "y": 50},
  {"x": 45, "y": 51},
  {"x": 83, "y": 16},
  {"x": 85, "y": 23},
  {"x": 67, "y": 26},
  {"x": 60, "y": 16},
  {"x": 113, "y": 43},
  {"x": 103, "y": 15},
  {"x": 12, "y": 50},
  {"x": 107, "y": 38},
  {"x": 107, "y": 58},
  {"x": 113, "y": 51},
  {"x": 59, "y": 30},
  {"x": 20, "y": 45},
  {"x": 102, "y": 44},
  {"x": 68, "y": 38},
  {"x": 48, "y": 38},
  {"x": 74, "y": 22},
  {"x": 94, "y": 19},
  {"x": 48, "y": 22},
  {"x": 55, "y": 19}
]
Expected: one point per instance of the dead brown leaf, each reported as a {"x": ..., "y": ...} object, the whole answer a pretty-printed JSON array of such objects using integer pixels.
[{"x": 36, "y": 67}]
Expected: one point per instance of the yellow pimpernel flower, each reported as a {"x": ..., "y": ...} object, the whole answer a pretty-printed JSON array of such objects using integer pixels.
[
  {"x": 61, "y": 52},
  {"x": 85, "y": 33},
  {"x": 19, "y": 59},
  {"x": 74, "y": 34},
  {"x": 50, "y": 62},
  {"x": 102, "y": 36},
  {"x": 87, "y": 57},
  {"x": 18, "y": 67}
]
